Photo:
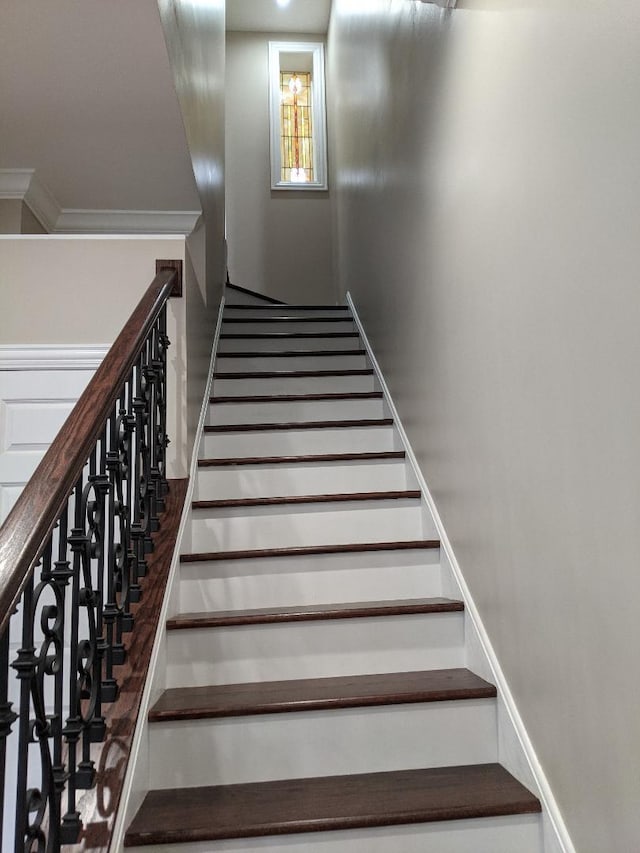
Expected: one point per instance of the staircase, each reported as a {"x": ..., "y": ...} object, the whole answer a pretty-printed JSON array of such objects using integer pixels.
[{"x": 316, "y": 691}]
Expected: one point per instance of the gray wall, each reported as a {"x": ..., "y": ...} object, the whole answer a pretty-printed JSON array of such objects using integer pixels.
[
  {"x": 16, "y": 218},
  {"x": 194, "y": 35},
  {"x": 488, "y": 199},
  {"x": 276, "y": 238}
]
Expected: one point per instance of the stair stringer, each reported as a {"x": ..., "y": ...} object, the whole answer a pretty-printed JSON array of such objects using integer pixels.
[
  {"x": 515, "y": 750},
  {"x": 136, "y": 778}
]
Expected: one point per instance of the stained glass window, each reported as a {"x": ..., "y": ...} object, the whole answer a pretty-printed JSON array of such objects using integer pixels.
[
  {"x": 296, "y": 131},
  {"x": 297, "y": 120}
]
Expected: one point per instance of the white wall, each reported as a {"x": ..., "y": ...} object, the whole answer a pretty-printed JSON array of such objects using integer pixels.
[
  {"x": 488, "y": 177},
  {"x": 194, "y": 35},
  {"x": 277, "y": 239},
  {"x": 76, "y": 293}
]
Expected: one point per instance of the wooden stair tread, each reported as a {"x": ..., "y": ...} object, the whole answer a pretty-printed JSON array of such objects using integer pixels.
[
  {"x": 284, "y": 318},
  {"x": 319, "y": 353},
  {"x": 283, "y": 500},
  {"x": 291, "y": 374},
  {"x": 313, "y": 612},
  {"x": 328, "y": 803},
  {"x": 301, "y": 459},
  {"x": 288, "y": 307},
  {"x": 245, "y": 336},
  {"x": 311, "y": 550},
  {"x": 299, "y": 398},
  {"x": 316, "y": 694},
  {"x": 346, "y": 424}
]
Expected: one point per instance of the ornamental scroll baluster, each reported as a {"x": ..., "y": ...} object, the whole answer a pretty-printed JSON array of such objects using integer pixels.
[
  {"x": 157, "y": 374},
  {"x": 60, "y": 649}
]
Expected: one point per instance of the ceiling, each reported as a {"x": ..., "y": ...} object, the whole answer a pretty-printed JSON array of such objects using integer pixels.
[
  {"x": 298, "y": 16},
  {"x": 87, "y": 99}
]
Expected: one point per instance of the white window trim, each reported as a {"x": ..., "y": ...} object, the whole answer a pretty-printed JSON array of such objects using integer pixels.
[{"x": 316, "y": 49}]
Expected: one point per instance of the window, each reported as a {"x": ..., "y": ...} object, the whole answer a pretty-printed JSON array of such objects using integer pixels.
[{"x": 298, "y": 123}]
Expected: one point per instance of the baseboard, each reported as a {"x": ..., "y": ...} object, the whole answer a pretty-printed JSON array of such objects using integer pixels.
[{"x": 516, "y": 750}]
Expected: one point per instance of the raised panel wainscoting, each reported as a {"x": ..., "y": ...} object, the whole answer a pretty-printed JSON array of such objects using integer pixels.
[{"x": 39, "y": 385}]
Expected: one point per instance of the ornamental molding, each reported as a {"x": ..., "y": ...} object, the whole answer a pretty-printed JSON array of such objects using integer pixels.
[{"x": 24, "y": 184}]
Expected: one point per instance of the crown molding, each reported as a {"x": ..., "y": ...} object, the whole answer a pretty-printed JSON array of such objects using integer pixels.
[
  {"x": 24, "y": 184},
  {"x": 73, "y": 221},
  {"x": 42, "y": 203},
  {"x": 14, "y": 183}
]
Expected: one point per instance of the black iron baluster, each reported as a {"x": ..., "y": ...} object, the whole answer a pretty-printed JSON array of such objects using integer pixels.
[
  {"x": 7, "y": 718},
  {"x": 162, "y": 438},
  {"x": 137, "y": 483},
  {"x": 35, "y": 725},
  {"x": 45, "y": 728},
  {"x": 88, "y": 659},
  {"x": 146, "y": 493},
  {"x": 158, "y": 432},
  {"x": 60, "y": 573},
  {"x": 152, "y": 376},
  {"x": 129, "y": 589},
  {"x": 114, "y": 547},
  {"x": 73, "y": 726},
  {"x": 24, "y": 665}
]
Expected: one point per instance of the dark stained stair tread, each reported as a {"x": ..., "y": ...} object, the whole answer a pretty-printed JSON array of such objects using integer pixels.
[
  {"x": 292, "y": 374},
  {"x": 328, "y": 803},
  {"x": 285, "y": 318},
  {"x": 299, "y": 398},
  {"x": 295, "y": 460},
  {"x": 240, "y": 336},
  {"x": 316, "y": 694},
  {"x": 323, "y": 353},
  {"x": 292, "y": 425},
  {"x": 311, "y": 550},
  {"x": 288, "y": 307},
  {"x": 314, "y": 612},
  {"x": 224, "y": 503}
]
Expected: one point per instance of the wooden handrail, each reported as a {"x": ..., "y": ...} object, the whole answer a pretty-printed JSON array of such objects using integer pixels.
[{"x": 24, "y": 533}]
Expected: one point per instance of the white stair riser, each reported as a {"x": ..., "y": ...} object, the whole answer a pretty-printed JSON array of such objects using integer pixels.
[
  {"x": 294, "y": 411},
  {"x": 299, "y": 479},
  {"x": 314, "y": 649},
  {"x": 292, "y": 442},
  {"x": 292, "y": 385},
  {"x": 293, "y": 525},
  {"x": 338, "y": 741},
  {"x": 288, "y": 326},
  {"x": 288, "y": 343},
  {"x": 292, "y": 362},
  {"x": 510, "y": 834},
  {"x": 265, "y": 313},
  {"x": 319, "y": 579}
]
